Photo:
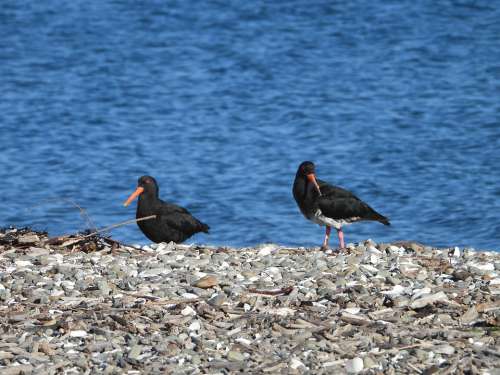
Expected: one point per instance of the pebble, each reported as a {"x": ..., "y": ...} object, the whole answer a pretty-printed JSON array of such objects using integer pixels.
[
  {"x": 354, "y": 366},
  {"x": 417, "y": 293},
  {"x": 195, "y": 326},
  {"x": 78, "y": 333},
  {"x": 297, "y": 364},
  {"x": 429, "y": 299},
  {"x": 6, "y": 355},
  {"x": 397, "y": 290},
  {"x": 374, "y": 308},
  {"x": 481, "y": 268},
  {"x": 217, "y": 299},
  {"x": 235, "y": 356},
  {"x": 444, "y": 349},
  {"x": 368, "y": 362},
  {"x": 188, "y": 311},
  {"x": 17, "y": 370},
  {"x": 206, "y": 282},
  {"x": 267, "y": 249},
  {"x": 135, "y": 352},
  {"x": 28, "y": 239},
  {"x": 469, "y": 316}
]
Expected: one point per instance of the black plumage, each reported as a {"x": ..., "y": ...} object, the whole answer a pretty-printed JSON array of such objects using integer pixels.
[
  {"x": 172, "y": 222},
  {"x": 329, "y": 205}
]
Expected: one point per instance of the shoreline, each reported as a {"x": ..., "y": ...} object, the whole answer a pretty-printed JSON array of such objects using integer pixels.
[{"x": 96, "y": 306}]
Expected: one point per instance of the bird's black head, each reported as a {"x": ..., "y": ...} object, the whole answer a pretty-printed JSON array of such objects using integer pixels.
[
  {"x": 147, "y": 182},
  {"x": 145, "y": 185},
  {"x": 307, "y": 170}
]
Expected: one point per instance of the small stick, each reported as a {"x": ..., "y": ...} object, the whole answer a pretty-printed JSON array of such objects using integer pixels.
[
  {"x": 105, "y": 229},
  {"x": 283, "y": 291},
  {"x": 145, "y": 296},
  {"x": 175, "y": 301},
  {"x": 417, "y": 370},
  {"x": 413, "y": 346}
]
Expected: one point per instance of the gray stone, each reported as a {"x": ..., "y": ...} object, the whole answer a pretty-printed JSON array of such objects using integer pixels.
[
  {"x": 217, "y": 299},
  {"x": 28, "y": 239},
  {"x": 469, "y": 316},
  {"x": 103, "y": 287},
  {"x": 235, "y": 356},
  {"x": 444, "y": 349},
  {"x": 135, "y": 352},
  {"x": 354, "y": 366},
  {"x": 429, "y": 299}
]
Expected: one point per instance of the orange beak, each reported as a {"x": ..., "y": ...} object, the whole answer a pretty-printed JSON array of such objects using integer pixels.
[
  {"x": 134, "y": 195},
  {"x": 312, "y": 179}
]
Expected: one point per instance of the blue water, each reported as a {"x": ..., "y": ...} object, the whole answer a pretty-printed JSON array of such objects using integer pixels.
[{"x": 398, "y": 101}]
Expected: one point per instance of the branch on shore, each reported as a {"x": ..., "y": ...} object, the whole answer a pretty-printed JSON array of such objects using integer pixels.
[
  {"x": 274, "y": 292},
  {"x": 73, "y": 241}
]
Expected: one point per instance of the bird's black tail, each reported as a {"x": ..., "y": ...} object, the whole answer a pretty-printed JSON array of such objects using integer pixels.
[
  {"x": 204, "y": 227},
  {"x": 374, "y": 215},
  {"x": 382, "y": 219}
]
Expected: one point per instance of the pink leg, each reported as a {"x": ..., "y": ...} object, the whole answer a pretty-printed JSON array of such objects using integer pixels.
[
  {"x": 327, "y": 238},
  {"x": 341, "y": 238}
]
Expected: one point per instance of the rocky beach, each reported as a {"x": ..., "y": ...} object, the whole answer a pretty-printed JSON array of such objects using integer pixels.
[{"x": 86, "y": 305}]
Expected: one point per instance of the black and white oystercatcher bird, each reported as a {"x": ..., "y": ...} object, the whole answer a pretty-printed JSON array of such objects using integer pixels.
[
  {"x": 329, "y": 205},
  {"x": 172, "y": 222}
]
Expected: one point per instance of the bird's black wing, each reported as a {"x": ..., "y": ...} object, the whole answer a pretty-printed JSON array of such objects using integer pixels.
[
  {"x": 333, "y": 192},
  {"x": 338, "y": 203},
  {"x": 180, "y": 218},
  {"x": 345, "y": 208}
]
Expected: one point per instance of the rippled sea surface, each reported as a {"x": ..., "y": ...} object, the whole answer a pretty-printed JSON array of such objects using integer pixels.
[{"x": 398, "y": 101}]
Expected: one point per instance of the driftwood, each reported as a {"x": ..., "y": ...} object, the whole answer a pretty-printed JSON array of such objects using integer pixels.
[
  {"x": 67, "y": 240},
  {"x": 275, "y": 292}
]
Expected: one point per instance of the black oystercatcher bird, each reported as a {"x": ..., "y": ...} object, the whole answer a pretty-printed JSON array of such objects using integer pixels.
[
  {"x": 329, "y": 205},
  {"x": 172, "y": 222}
]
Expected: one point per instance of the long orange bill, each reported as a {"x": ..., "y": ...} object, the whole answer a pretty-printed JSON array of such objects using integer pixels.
[
  {"x": 134, "y": 195},
  {"x": 312, "y": 179}
]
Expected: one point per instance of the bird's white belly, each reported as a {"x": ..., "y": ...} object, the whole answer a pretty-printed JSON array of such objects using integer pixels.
[{"x": 321, "y": 219}]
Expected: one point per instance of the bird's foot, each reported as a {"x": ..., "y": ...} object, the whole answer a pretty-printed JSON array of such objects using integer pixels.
[
  {"x": 329, "y": 251},
  {"x": 343, "y": 250}
]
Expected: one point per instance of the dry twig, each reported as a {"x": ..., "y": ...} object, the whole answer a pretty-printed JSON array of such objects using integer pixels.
[{"x": 283, "y": 291}]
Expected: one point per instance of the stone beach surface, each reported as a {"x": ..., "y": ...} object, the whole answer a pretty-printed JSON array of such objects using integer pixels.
[{"x": 86, "y": 305}]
